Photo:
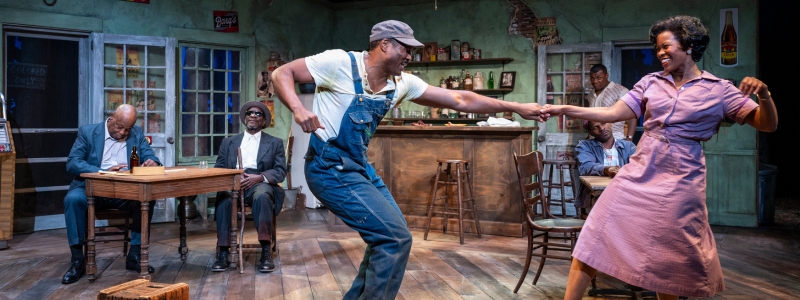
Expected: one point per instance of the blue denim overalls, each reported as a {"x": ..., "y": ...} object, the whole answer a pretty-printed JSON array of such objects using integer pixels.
[{"x": 339, "y": 175}]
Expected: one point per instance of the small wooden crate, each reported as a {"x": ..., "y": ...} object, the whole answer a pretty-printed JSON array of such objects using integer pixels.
[
  {"x": 156, "y": 170},
  {"x": 142, "y": 289}
]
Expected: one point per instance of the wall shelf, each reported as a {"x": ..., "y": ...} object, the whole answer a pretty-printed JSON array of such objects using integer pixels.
[{"x": 484, "y": 61}]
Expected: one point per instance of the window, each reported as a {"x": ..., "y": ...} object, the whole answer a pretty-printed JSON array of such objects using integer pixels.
[
  {"x": 136, "y": 75},
  {"x": 211, "y": 86}
]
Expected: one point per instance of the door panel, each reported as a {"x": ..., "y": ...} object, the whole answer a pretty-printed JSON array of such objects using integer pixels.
[
  {"x": 43, "y": 79},
  {"x": 140, "y": 71}
]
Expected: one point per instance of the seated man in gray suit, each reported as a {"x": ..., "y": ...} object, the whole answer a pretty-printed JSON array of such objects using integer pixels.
[
  {"x": 264, "y": 167},
  {"x": 103, "y": 146}
]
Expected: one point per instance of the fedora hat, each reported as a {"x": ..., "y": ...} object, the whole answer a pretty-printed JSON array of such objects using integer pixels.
[{"x": 248, "y": 105}]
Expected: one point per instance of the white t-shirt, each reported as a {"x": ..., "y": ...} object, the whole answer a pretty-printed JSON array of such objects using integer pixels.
[
  {"x": 334, "y": 79},
  {"x": 611, "y": 158}
]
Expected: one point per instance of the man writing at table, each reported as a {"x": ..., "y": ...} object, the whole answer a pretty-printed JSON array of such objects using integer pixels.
[
  {"x": 602, "y": 156},
  {"x": 104, "y": 146},
  {"x": 264, "y": 164}
]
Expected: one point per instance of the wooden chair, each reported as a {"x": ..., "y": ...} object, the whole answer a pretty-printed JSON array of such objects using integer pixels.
[
  {"x": 528, "y": 166},
  {"x": 124, "y": 230},
  {"x": 244, "y": 212}
]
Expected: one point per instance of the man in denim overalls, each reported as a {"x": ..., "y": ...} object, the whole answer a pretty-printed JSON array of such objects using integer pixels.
[{"x": 354, "y": 92}]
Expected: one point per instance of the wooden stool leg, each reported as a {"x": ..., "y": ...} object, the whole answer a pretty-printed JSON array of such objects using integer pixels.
[
  {"x": 472, "y": 197},
  {"x": 447, "y": 195},
  {"x": 563, "y": 196},
  {"x": 460, "y": 204},
  {"x": 549, "y": 187},
  {"x": 433, "y": 199}
]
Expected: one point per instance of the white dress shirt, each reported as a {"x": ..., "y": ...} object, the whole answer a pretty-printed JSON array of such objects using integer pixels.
[
  {"x": 114, "y": 151},
  {"x": 250, "y": 143}
]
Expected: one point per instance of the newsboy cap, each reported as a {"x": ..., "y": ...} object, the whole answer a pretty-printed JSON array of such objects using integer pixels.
[
  {"x": 393, "y": 29},
  {"x": 248, "y": 105}
]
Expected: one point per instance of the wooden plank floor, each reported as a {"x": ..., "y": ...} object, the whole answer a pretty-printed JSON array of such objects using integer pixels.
[{"x": 316, "y": 264}]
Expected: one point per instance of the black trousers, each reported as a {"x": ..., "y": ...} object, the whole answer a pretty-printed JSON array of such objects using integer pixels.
[{"x": 260, "y": 198}]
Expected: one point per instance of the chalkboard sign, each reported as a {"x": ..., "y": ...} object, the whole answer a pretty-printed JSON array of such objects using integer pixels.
[{"x": 27, "y": 76}]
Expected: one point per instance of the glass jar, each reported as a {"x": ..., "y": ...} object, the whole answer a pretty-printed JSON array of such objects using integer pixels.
[{"x": 455, "y": 50}]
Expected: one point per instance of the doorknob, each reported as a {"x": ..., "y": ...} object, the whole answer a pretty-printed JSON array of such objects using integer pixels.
[{"x": 170, "y": 140}]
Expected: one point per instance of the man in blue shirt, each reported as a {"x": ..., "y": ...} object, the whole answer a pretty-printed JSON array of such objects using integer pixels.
[{"x": 602, "y": 156}]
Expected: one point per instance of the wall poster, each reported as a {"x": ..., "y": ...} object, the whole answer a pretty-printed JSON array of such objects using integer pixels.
[
  {"x": 729, "y": 43},
  {"x": 546, "y": 31},
  {"x": 264, "y": 84}
]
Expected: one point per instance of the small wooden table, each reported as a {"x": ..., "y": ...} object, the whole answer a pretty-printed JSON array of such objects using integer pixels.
[
  {"x": 176, "y": 182},
  {"x": 596, "y": 184}
]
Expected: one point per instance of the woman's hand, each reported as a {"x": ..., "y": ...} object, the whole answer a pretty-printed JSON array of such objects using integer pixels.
[
  {"x": 552, "y": 110},
  {"x": 751, "y": 85}
]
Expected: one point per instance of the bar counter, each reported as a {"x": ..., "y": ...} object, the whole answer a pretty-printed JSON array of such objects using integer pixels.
[{"x": 405, "y": 157}]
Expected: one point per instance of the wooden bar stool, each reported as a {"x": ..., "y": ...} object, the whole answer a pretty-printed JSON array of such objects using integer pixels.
[
  {"x": 451, "y": 180},
  {"x": 561, "y": 165}
]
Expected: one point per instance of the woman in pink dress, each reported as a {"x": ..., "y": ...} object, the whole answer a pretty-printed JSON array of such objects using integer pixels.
[{"x": 650, "y": 226}]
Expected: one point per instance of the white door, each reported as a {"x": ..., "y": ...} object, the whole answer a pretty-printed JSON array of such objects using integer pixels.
[
  {"x": 140, "y": 71},
  {"x": 564, "y": 79},
  {"x": 299, "y": 150}
]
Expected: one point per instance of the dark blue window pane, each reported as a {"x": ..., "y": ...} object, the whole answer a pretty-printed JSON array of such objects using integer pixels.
[
  {"x": 219, "y": 59},
  {"x": 219, "y": 102},
  {"x": 234, "y": 55},
  {"x": 219, "y": 81}
]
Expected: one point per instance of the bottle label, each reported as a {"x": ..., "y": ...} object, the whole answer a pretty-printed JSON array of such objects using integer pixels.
[{"x": 728, "y": 50}]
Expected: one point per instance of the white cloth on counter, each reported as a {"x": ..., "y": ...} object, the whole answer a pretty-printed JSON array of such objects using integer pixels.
[{"x": 498, "y": 122}]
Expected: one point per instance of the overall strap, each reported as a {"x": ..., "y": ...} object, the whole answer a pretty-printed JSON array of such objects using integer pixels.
[{"x": 356, "y": 77}]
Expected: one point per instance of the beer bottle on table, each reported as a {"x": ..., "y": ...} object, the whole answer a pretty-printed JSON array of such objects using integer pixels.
[{"x": 134, "y": 161}]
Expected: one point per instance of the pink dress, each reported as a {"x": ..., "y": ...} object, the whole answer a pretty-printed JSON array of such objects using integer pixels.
[{"x": 650, "y": 226}]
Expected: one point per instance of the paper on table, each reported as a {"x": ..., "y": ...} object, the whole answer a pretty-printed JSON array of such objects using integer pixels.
[{"x": 125, "y": 173}]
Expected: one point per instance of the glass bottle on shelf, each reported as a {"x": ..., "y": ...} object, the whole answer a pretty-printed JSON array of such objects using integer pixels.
[
  {"x": 444, "y": 114},
  {"x": 453, "y": 114},
  {"x": 443, "y": 83},
  {"x": 468, "y": 85},
  {"x": 450, "y": 82},
  {"x": 456, "y": 83},
  {"x": 477, "y": 81},
  {"x": 490, "y": 83}
]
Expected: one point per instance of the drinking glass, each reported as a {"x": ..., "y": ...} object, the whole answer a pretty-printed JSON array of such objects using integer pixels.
[{"x": 203, "y": 164}]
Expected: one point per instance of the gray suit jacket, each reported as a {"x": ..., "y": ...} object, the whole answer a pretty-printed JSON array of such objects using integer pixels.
[
  {"x": 271, "y": 161},
  {"x": 86, "y": 155}
]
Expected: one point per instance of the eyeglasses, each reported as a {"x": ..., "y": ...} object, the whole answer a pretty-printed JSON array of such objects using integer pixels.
[{"x": 254, "y": 113}]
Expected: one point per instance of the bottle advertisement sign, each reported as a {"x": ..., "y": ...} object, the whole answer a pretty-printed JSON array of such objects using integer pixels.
[
  {"x": 729, "y": 43},
  {"x": 226, "y": 21}
]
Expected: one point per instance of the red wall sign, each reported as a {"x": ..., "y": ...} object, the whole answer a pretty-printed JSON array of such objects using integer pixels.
[{"x": 226, "y": 21}]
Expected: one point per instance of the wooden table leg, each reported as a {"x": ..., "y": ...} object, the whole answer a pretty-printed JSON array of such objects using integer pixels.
[
  {"x": 144, "y": 264},
  {"x": 91, "y": 266},
  {"x": 234, "y": 248},
  {"x": 182, "y": 249}
]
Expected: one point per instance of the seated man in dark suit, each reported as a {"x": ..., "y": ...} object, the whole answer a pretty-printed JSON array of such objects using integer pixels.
[
  {"x": 103, "y": 146},
  {"x": 602, "y": 156},
  {"x": 264, "y": 167}
]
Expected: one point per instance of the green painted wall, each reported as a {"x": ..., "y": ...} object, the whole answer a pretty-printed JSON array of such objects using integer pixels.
[{"x": 284, "y": 26}]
